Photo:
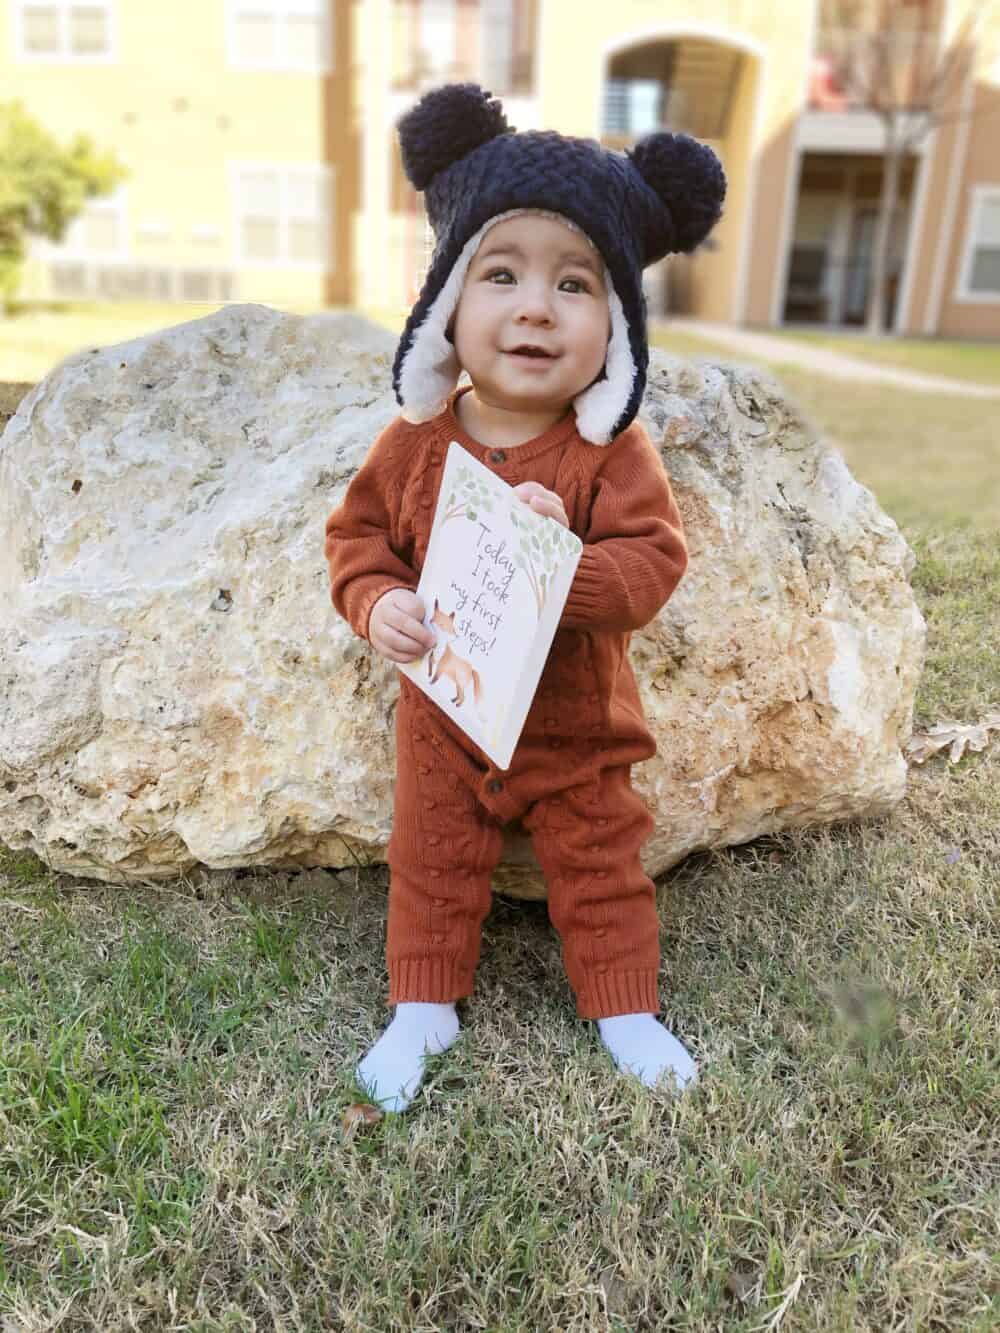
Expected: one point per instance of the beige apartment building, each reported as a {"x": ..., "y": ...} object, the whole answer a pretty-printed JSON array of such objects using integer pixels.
[{"x": 259, "y": 135}]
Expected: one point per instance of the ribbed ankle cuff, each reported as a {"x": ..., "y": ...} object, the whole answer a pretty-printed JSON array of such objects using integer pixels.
[
  {"x": 434, "y": 980},
  {"x": 610, "y": 993}
]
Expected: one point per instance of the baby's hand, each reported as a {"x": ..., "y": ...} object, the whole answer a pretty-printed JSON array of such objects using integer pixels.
[
  {"x": 545, "y": 502},
  {"x": 395, "y": 626}
]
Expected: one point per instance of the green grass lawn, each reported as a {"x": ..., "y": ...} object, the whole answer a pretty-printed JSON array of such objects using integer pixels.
[
  {"x": 33, "y": 339},
  {"x": 978, "y": 362},
  {"x": 177, "y": 1060},
  {"x": 942, "y": 463},
  {"x": 929, "y": 458}
]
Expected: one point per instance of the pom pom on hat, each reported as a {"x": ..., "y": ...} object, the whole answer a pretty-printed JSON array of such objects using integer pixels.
[
  {"x": 445, "y": 125},
  {"x": 689, "y": 179}
]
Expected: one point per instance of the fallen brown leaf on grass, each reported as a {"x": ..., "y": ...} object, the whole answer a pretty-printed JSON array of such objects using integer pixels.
[
  {"x": 360, "y": 1113},
  {"x": 972, "y": 736}
]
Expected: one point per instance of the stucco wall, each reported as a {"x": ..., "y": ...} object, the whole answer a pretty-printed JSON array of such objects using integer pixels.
[
  {"x": 962, "y": 153},
  {"x": 176, "y": 114},
  {"x": 964, "y": 318}
]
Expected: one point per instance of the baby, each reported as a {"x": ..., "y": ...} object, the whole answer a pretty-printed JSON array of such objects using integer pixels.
[{"x": 535, "y": 292}]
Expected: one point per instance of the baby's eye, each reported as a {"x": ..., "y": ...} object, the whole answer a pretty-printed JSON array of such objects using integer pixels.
[
  {"x": 496, "y": 272},
  {"x": 581, "y": 284}
]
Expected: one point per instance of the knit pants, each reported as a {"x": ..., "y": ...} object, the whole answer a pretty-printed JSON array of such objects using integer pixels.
[{"x": 587, "y": 825}]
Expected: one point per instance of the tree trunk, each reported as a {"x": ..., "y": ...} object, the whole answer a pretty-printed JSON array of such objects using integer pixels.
[{"x": 891, "y": 170}]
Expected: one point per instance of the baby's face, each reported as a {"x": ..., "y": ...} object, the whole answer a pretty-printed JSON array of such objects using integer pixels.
[{"x": 533, "y": 282}]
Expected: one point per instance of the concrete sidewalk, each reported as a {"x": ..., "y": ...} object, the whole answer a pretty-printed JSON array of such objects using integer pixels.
[{"x": 752, "y": 346}]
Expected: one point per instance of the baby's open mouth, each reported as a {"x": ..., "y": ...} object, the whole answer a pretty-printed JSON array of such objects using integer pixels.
[{"x": 527, "y": 349}]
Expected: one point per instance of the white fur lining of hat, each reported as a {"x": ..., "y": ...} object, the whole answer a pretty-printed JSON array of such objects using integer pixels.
[{"x": 430, "y": 369}]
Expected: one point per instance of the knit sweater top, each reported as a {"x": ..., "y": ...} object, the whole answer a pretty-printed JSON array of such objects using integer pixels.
[{"x": 619, "y": 502}]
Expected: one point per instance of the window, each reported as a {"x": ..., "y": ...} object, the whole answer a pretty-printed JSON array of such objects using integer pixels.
[
  {"x": 979, "y": 278},
  {"x": 437, "y": 36},
  {"x": 496, "y": 43},
  {"x": 283, "y": 215},
  {"x": 100, "y": 231},
  {"x": 632, "y": 106},
  {"x": 63, "y": 30},
  {"x": 280, "y": 34}
]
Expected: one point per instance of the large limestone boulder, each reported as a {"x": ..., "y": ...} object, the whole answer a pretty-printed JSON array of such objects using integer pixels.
[{"x": 176, "y": 688}]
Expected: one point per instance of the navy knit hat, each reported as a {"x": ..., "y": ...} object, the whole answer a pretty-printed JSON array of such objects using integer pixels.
[{"x": 662, "y": 196}]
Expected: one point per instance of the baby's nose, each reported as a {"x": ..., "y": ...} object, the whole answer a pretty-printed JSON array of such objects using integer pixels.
[{"x": 536, "y": 302}]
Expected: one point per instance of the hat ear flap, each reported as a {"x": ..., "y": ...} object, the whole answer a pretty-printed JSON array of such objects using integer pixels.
[
  {"x": 445, "y": 125},
  {"x": 688, "y": 177}
]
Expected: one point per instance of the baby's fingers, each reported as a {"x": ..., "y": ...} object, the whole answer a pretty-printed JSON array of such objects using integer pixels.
[
  {"x": 398, "y": 647},
  {"x": 549, "y": 508},
  {"x": 411, "y": 629}
]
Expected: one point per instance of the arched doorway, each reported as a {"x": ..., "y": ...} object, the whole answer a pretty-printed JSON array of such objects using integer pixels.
[{"x": 704, "y": 84}]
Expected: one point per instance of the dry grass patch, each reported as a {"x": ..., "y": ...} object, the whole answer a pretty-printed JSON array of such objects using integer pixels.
[
  {"x": 10, "y": 396},
  {"x": 177, "y": 1063}
]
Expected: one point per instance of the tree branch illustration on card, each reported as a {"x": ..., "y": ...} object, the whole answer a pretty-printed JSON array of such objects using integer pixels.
[
  {"x": 494, "y": 582},
  {"x": 541, "y": 553}
]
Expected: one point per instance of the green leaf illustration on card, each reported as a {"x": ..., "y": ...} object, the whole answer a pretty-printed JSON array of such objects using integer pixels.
[
  {"x": 543, "y": 545},
  {"x": 468, "y": 497}
]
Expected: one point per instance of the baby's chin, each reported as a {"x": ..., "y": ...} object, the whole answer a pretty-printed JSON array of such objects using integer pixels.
[
  {"x": 526, "y": 398},
  {"x": 524, "y": 404}
]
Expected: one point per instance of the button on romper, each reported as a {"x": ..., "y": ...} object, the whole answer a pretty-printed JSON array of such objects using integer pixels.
[{"x": 569, "y": 780}]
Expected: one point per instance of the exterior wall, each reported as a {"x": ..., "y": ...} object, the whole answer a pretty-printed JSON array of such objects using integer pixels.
[
  {"x": 733, "y": 265},
  {"x": 179, "y": 116},
  {"x": 960, "y": 156},
  {"x": 341, "y": 147},
  {"x": 965, "y": 318},
  {"x": 381, "y": 40}
]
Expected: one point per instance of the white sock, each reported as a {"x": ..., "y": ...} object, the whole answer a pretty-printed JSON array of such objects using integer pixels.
[
  {"x": 393, "y": 1069},
  {"x": 641, "y": 1045}
]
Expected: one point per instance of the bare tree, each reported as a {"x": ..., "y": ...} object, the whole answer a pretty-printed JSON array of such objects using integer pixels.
[{"x": 891, "y": 59}]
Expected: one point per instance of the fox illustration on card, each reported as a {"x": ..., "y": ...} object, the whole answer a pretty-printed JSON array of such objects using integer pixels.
[
  {"x": 459, "y": 671},
  {"x": 494, "y": 583}
]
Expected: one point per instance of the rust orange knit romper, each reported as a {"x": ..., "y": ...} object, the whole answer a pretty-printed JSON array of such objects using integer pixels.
[{"x": 569, "y": 781}]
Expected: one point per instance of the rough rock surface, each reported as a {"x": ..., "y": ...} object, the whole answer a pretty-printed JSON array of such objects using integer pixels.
[{"x": 176, "y": 688}]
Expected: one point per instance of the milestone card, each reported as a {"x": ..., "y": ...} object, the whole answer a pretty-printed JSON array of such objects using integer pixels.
[{"x": 494, "y": 584}]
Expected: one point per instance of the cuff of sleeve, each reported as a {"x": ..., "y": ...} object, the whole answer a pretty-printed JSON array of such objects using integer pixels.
[
  {"x": 611, "y": 993},
  {"x": 597, "y": 585},
  {"x": 371, "y": 594}
]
